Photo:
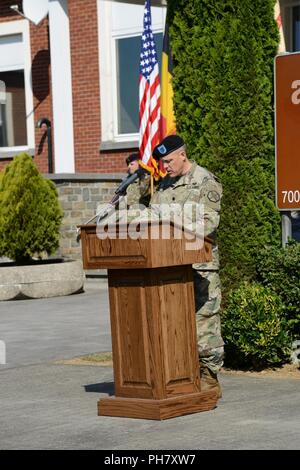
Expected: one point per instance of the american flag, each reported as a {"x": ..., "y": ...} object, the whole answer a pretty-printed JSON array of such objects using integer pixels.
[{"x": 149, "y": 91}]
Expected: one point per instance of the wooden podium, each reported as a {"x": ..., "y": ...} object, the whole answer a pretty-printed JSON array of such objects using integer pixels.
[{"x": 152, "y": 311}]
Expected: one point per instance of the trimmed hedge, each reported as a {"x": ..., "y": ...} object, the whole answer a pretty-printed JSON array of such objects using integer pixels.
[
  {"x": 223, "y": 55},
  {"x": 279, "y": 270},
  {"x": 254, "y": 329},
  {"x": 30, "y": 213},
  {"x": 223, "y": 80}
]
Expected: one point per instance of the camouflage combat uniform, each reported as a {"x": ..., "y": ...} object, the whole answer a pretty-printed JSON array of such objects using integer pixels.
[
  {"x": 201, "y": 186},
  {"x": 139, "y": 192}
]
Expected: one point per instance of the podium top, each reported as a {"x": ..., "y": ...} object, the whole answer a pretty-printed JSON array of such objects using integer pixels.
[{"x": 154, "y": 245}]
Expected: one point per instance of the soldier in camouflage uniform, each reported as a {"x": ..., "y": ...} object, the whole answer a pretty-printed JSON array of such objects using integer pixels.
[
  {"x": 187, "y": 182},
  {"x": 139, "y": 191}
]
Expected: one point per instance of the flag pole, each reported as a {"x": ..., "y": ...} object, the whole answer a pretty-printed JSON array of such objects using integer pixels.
[{"x": 152, "y": 185}]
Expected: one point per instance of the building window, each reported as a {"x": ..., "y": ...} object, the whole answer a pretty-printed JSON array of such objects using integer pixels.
[
  {"x": 290, "y": 15},
  {"x": 296, "y": 27},
  {"x": 13, "y": 129},
  {"x": 127, "y": 57},
  {"x": 120, "y": 29},
  {"x": 16, "y": 103}
]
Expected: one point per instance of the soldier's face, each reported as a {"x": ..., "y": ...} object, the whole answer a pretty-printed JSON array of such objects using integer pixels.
[
  {"x": 133, "y": 166},
  {"x": 175, "y": 163}
]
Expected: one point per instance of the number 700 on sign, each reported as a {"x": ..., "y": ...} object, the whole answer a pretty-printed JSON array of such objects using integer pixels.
[{"x": 290, "y": 196}]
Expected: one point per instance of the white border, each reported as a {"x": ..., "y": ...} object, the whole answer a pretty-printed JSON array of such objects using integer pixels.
[{"x": 22, "y": 27}]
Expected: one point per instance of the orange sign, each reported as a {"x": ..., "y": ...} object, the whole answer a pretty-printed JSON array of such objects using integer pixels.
[{"x": 287, "y": 99}]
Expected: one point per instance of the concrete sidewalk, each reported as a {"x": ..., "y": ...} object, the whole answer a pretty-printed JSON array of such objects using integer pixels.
[
  {"x": 42, "y": 330},
  {"x": 44, "y": 405}
]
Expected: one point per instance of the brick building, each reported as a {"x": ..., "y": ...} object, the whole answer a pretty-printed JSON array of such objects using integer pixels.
[{"x": 78, "y": 68}]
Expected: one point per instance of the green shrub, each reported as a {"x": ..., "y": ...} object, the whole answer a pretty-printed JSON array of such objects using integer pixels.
[
  {"x": 30, "y": 214},
  {"x": 254, "y": 332},
  {"x": 279, "y": 269}
]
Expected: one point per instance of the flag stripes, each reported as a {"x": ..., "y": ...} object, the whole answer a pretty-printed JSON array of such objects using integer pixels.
[{"x": 149, "y": 93}]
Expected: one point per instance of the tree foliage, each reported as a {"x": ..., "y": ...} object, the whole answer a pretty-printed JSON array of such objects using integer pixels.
[{"x": 223, "y": 64}]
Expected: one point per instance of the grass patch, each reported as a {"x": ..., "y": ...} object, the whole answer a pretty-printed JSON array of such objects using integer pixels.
[
  {"x": 286, "y": 371},
  {"x": 98, "y": 359}
]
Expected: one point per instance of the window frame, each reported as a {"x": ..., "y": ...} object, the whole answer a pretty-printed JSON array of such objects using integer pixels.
[
  {"x": 117, "y": 136},
  {"x": 287, "y": 16},
  {"x": 9, "y": 29},
  {"x": 107, "y": 40}
]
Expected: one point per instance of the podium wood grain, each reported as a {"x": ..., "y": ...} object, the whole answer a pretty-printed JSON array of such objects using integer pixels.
[
  {"x": 149, "y": 251},
  {"x": 152, "y": 313}
]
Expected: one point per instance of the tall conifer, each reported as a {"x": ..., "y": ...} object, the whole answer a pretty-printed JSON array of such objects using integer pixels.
[{"x": 223, "y": 85}]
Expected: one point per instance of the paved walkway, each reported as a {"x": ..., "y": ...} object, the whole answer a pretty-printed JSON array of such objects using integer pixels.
[
  {"x": 44, "y": 405},
  {"x": 36, "y": 331}
]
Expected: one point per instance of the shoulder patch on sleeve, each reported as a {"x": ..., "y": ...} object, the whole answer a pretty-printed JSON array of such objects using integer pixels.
[{"x": 213, "y": 196}]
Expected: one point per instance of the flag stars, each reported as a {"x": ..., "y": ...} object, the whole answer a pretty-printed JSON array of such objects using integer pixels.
[
  {"x": 148, "y": 57},
  {"x": 148, "y": 95}
]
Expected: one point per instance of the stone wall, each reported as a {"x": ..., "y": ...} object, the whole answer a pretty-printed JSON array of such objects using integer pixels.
[{"x": 79, "y": 196}]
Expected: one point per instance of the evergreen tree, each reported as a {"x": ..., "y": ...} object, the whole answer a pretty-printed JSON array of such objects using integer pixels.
[
  {"x": 30, "y": 214},
  {"x": 223, "y": 54}
]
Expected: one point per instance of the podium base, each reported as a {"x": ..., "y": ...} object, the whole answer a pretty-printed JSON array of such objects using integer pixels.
[{"x": 157, "y": 409}]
